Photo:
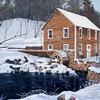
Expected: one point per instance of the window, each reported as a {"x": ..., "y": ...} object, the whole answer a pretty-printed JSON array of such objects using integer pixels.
[
  {"x": 66, "y": 33},
  {"x": 80, "y": 32},
  {"x": 80, "y": 48},
  {"x": 50, "y": 33},
  {"x": 88, "y": 34},
  {"x": 95, "y": 35},
  {"x": 65, "y": 46},
  {"x": 50, "y": 47}
]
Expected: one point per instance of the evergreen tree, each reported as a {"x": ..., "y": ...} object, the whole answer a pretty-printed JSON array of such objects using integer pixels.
[
  {"x": 87, "y": 8},
  {"x": 89, "y": 12},
  {"x": 97, "y": 19}
]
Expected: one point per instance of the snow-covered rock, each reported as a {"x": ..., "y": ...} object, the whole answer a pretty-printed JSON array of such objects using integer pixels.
[{"x": 33, "y": 64}]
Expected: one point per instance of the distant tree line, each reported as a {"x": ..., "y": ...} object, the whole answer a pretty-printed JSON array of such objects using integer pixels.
[
  {"x": 42, "y": 9},
  {"x": 32, "y": 9}
]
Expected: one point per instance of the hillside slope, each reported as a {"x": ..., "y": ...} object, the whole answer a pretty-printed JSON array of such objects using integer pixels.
[{"x": 20, "y": 33}]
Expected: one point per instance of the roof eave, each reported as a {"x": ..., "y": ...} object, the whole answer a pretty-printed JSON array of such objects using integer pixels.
[{"x": 49, "y": 18}]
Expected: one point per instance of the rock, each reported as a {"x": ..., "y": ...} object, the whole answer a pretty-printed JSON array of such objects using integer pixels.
[
  {"x": 26, "y": 60},
  {"x": 72, "y": 98},
  {"x": 40, "y": 68},
  {"x": 61, "y": 97},
  {"x": 9, "y": 61},
  {"x": 16, "y": 70}
]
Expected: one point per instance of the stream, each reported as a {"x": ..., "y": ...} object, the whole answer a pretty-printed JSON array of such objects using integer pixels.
[{"x": 19, "y": 85}]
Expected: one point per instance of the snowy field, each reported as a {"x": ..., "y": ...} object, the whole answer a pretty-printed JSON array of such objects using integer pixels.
[
  {"x": 33, "y": 63},
  {"x": 88, "y": 93},
  {"x": 19, "y": 33}
]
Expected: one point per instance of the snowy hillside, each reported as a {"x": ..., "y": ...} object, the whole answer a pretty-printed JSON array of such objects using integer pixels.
[
  {"x": 2, "y": 2},
  {"x": 89, "y": 93},
  {"x": 21, "y": 33}
]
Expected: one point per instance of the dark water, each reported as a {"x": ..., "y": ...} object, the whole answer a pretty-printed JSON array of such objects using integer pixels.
[{"x": 18, "y": 85}]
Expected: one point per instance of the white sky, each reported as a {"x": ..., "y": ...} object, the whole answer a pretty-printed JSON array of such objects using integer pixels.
[{"x": 96, "y": 4}]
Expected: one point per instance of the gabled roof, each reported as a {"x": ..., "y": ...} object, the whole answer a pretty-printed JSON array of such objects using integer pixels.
[{"x": 79, "y": 20}]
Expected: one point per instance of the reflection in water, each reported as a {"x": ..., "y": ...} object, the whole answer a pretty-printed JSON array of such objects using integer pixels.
[{"x": 18, "y": 85}]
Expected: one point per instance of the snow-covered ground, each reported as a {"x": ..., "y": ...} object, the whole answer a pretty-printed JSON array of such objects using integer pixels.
[
  {"x": 93, "y": 59},
  {"x": 88, "y": 93},
  {"x": 19, "y": 33},
  {"x": 40, "y": 97},
  {"x": 34, "y": 63},
  {"x": 95, "y": 69}
]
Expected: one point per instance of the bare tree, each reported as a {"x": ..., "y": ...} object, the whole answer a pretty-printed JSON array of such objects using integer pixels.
[{"x": 72, "y": 6}]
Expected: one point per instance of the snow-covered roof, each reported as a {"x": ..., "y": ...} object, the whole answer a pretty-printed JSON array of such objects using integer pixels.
[{"x": 79, "y": 20}]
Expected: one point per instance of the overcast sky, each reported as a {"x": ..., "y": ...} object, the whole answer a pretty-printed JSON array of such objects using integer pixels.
[{"x": 96, "y": 4}]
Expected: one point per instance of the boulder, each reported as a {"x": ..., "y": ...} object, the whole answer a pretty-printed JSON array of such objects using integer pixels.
[
  {"x": 61, "y": 97},
  {"x": 72, "y": 98}
]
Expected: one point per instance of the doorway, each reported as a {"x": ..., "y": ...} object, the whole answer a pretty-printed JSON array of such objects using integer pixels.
[{"x": 88, "y": 50}]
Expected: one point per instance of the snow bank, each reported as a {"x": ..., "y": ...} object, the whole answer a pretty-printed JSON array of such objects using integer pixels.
[
  {"x": 34, "y": 64},
  {"x": 88, "y": 93},
  {"x": 40, "y": 97}
]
